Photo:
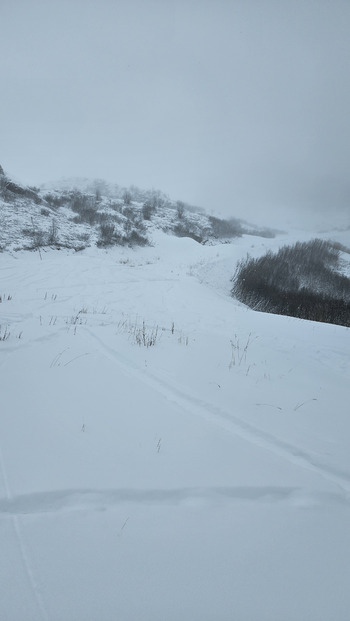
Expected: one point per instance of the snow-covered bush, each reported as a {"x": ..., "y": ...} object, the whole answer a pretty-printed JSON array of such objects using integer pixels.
[
  {"x": 106, "y": 234},
  {"x": 225, "y": 228},
  {"x": 300, "y": 280}
]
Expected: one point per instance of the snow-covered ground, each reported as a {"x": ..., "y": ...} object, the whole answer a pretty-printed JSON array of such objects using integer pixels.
[{"x": 203, "y": 478}]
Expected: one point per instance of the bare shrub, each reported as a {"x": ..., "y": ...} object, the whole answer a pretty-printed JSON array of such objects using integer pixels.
[
  {"x": 157, "y": 199},
  {"x": 106, "y": 234},
  {"x": 56, "y": 201},
  {"x": 180, "y": 208},
  {"x": 53, "y": 233},
  {"x": 141, "y": 335},
  {"x": 130, "y": 213},
  {"x": 135, "y": 238},
  {"x": 299, "y": 280},
  {"x": 127, "y": 198},
  {"x": 186, "y": 229},
  {"x": 85, "y": 206},
  {"x": 147, "y": 210}
]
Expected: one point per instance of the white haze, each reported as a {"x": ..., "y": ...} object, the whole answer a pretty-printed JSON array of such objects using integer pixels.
[{"x": 239, "y": 107}]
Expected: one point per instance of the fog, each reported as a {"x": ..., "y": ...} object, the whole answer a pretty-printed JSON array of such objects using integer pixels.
[{"x": 238, "y": 106}]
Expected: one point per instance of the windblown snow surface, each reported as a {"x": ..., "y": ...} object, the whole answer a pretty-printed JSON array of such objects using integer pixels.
[{"x": 205, "y": 477}]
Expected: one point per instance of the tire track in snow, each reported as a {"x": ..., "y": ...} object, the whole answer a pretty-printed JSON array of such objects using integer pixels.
[
  {"x": 227, "y": 421},
  {"x": 26, "y": 563}
]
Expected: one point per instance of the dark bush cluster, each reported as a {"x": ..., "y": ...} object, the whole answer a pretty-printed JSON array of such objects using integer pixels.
[
  {"x": 225, "y": 228},
  {"x": 299, "y": 280},
  {"x": 132, "y": 234},
  {"x": 106, "y": 234},
  {"x": 187, "y": 229},
  {"x": 85, "y": 206},
  {"x": 108, "y": 237},
  {"x": 147, "y": 210},
  {"x": 10, "y": 191},
  {"x": 154, "y": 200},
  {"x": 259, "y": 232},
  {"x": 180, "y": 208},
  {"x": 131, "y": 214},
  {"x": 56, "y": 201},
  {"x": 135, "y": 238},
  {"x": 127, "y": 197}
]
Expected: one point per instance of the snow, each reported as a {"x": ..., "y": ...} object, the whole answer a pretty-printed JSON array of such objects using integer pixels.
[{"x": 204, "y": 478}]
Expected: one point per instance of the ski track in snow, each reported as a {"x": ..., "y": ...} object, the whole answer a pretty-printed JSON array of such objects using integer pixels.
[
  {"x": 87, "y": 499},
  {"x": 227, "y": 420},
  {"x": 26, "y": 562}
]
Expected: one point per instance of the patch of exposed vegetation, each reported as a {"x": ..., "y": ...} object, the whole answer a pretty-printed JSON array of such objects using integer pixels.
[{"x": 300, "y": 280}]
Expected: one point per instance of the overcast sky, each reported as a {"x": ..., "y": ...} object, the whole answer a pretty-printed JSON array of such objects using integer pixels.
[{"x": 239, "y": 106}]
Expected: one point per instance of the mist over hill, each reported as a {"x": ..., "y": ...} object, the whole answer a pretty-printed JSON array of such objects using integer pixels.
[{"x": 76, "y": 213}]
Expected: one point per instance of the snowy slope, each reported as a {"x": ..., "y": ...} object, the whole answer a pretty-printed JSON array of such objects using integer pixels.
[
  {"x": 205, "y": 477},
  {"x": 78, "y": 213}
]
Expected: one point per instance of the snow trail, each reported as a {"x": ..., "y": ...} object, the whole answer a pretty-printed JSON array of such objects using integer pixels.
[
  {"x": 96, "y": 499},
  {"x": 222, "y": 495},
  {"x": 26, "y": 562},
  {"x": 227, "y": 421}
]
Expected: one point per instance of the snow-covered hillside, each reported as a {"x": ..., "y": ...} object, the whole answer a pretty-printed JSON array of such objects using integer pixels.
[
  {"x": 79, "y": 213},
  {"x": 167, "y": 453}
]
